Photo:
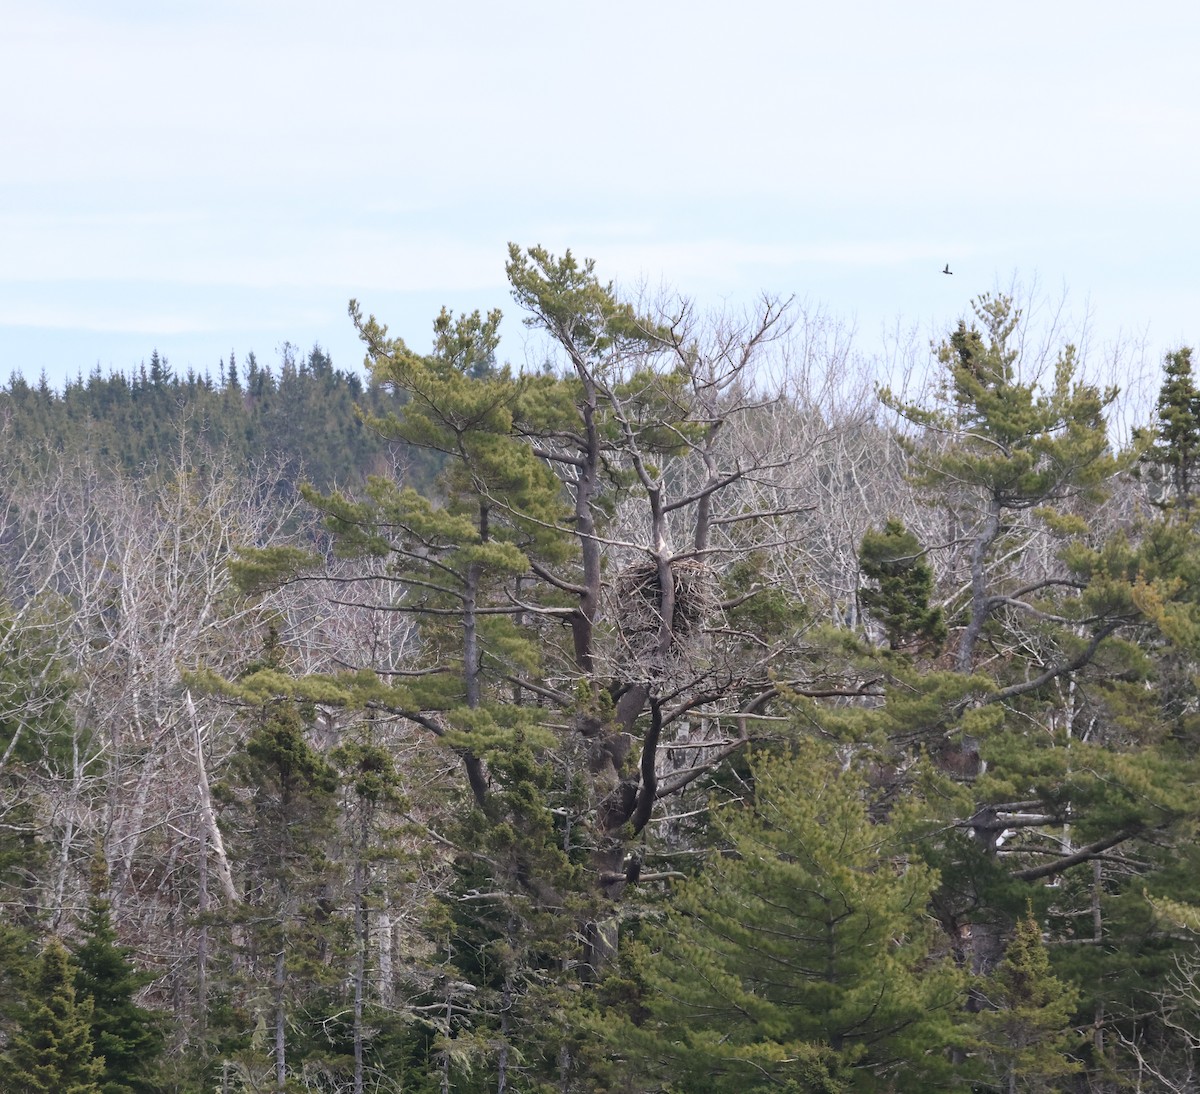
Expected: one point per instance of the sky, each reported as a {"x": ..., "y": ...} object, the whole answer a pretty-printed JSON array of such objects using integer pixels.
[{"x": 198, "y": 178}]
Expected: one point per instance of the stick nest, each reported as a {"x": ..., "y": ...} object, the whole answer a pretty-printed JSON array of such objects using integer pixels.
[{"x": 638, "y": 607}]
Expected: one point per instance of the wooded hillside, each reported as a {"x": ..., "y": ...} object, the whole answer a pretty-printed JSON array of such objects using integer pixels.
[{"x": 692, "y": 715}]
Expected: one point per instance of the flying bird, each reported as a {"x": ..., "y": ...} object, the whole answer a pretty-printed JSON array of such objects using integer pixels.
[{"x": 947, "y": 270}]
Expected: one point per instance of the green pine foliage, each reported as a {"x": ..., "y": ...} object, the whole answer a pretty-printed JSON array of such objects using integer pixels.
[
  {"x": 18, "y": 963},
  {"x": 494, "y": 509},
  {"x": 51, "y": 1052},
  {"x": 1020, "y": 445},
  {"x": 1002, "y": 451},
  {"x": 128, "y": 1036},
  {"x": 1023, "y": 1036},
  {"x": 902, "y": 584},
  {"x": 508, "y": 930},
  {"x": 802, "y": 953},
  {"x": 1171, "y": 454},
  {"x": 280, "y": 800}
]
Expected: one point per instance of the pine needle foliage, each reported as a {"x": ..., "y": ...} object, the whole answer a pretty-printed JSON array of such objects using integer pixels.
[
  {"x": 1171, "y": 456},
  {"x": 902, "y": 584},
  {"x": 52, "y": 1051},
  {"x": 1024, "y": 1034},
  {"x": 802, "y": 954},
  {"x": 126, "y": 1035}
]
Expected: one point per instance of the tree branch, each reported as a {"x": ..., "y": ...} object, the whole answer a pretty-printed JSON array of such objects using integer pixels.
[{"x": 1084, "y": 854}]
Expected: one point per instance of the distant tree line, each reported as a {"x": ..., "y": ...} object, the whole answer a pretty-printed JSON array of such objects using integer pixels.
[{"x": 299, "y": 416}]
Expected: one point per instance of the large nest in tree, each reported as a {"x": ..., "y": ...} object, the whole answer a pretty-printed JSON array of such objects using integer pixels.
[{"x": 638, "y": 607}]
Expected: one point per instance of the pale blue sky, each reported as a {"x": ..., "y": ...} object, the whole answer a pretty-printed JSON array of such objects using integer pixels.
[{"x": 199, "y": 177}]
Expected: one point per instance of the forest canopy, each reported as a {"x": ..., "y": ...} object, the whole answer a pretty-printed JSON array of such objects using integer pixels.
[{"x": 691, "y": 713}]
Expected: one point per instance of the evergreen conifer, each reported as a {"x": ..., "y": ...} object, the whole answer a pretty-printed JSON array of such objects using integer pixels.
[
  {"x": 52, "y": 1051},
  {"x": 125, "y": 1034}
]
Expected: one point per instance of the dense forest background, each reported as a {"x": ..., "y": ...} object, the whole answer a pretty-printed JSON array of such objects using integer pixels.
[
  {"x": 697, "y": 713},
  {"x": 299, "y": 416}
]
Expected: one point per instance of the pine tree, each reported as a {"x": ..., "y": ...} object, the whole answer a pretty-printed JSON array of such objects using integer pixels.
[
  {"x": 1172, "y": 453},
  {"x": 510, "y": 930},
  {"x": 1050, "y": 680},
  {"x": 374, "y": 833},
  {"x": 160, "y": 371},
  {"x": 903, "y": 583},
  {"x": 1014, "y": 449},
  {"x": 18, "y": 964},
  {"x": 52, "y": 1052},
  {"x": 1024, "y": 1035},
  {"x": 459, "y": 554},
  {"x": 297, "y": 927},
  {"x": 802, "y": 953},
  {"x": 281, "y": 809},
  {"x": 125, "y": 1034}
]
